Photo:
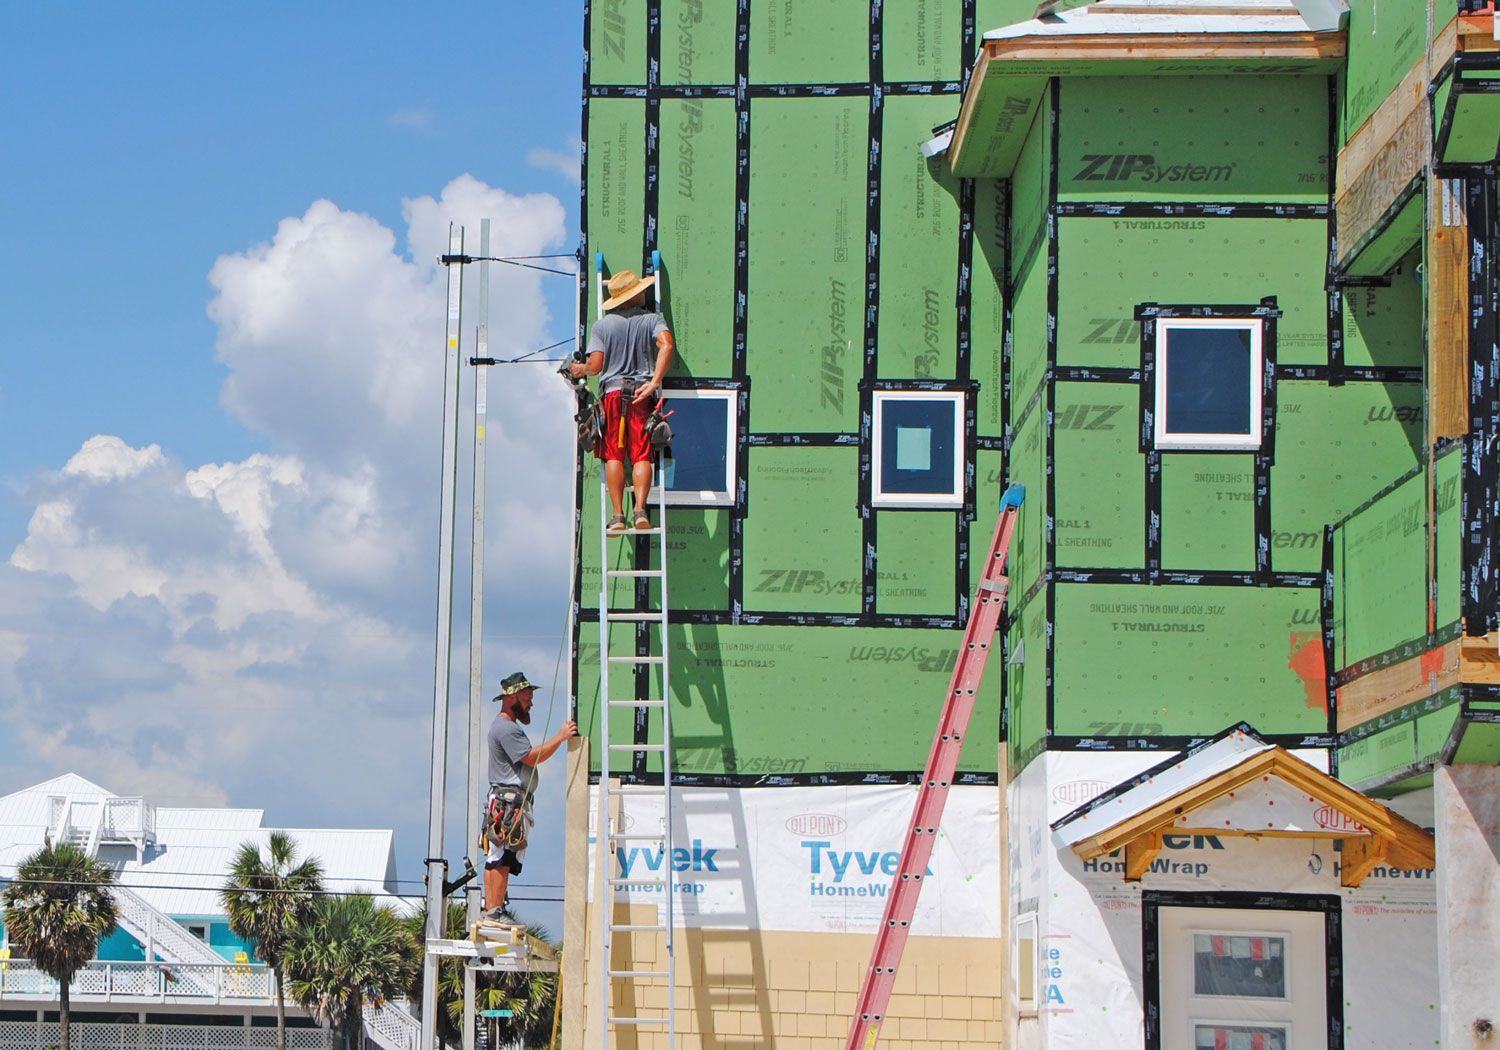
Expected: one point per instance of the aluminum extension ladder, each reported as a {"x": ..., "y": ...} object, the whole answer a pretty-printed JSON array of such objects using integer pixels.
[
  {"x": 932, "y": 792},
  {"x": 616, "y": 831}
]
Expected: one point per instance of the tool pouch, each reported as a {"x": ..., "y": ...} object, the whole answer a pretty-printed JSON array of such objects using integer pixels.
[
  {"x": 507, "y": 817},
  {"x": 658, "y": 429}
]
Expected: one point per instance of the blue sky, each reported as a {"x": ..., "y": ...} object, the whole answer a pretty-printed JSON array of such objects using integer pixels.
[
  {"x": 143, "y": 141},
  {"x": 218, "y": 401}
]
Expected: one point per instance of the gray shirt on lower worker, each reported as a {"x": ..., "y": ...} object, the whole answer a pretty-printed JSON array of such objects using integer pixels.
[
  {"x": 508, "y": 744},
  {"x": 627, "y": 339}
]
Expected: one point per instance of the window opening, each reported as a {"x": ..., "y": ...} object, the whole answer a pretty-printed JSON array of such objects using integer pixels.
[
  {"x": 701, "y": 468},
  {"x": 917, "y": 449},
  {"x": 1208, "y": 383},
  {"x": 1026, "y": 964}
]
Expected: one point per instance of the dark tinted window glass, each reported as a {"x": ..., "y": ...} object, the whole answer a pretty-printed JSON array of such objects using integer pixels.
[
  {"x": 1208, "y": 381},
  {"x": 916, "y": 450},
  {"x": 699, "y": 455}
]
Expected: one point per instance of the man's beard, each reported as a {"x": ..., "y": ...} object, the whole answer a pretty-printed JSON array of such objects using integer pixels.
[{"x": 521, "y": 715}]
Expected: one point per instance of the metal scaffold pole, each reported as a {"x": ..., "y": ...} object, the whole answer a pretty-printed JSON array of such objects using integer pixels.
[
  {"x": 434, "y": 862},
  {"x": 477, "y": 794}
]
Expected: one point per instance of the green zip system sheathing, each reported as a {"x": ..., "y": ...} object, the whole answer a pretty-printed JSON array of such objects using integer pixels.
[
  {"x": 1385, "y": 41},
  {"x": 810, "y": 254},
  {"x": 1215, "y": 138},
  {"x": 1110, "y": 265}
]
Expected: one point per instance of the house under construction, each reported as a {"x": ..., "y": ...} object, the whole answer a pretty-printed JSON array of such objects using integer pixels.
[{"x": 1214, "y": 282}]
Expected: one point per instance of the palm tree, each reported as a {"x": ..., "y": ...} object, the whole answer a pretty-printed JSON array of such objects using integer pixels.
[
  {"x": 529, "y": 996},
  {"x": 349, "y": 951},
  {"x": 56, "y": 911},
  {"x": 267, "y": 896}
]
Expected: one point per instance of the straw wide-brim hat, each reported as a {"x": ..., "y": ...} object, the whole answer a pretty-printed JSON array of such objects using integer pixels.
[{"x": 625, "y": 286}]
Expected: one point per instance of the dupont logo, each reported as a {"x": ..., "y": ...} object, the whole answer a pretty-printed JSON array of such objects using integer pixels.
[
  {"x": 1336, "y": 820},
  {"x": 1077, "y": 792},
  {"x": 816, "y": 824}
]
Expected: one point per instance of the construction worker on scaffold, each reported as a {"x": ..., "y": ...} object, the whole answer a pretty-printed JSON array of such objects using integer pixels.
[
  {"x": 629, "y": 349},
  {"x": 513, "y": 776}
]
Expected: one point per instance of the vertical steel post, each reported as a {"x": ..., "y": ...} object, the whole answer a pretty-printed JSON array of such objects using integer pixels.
[
  {"x": 476, "y": 795},
  {"x": 444, "y": 652}
]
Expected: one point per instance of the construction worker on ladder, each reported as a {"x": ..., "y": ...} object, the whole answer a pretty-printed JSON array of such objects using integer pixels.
[
  {"x": 513, "y": 765},
  {"x": 629, "y": 350}
]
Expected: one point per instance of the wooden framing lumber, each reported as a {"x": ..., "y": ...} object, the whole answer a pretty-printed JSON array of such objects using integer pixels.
[
  {"x": 1383, "y": 691},
  {"x": 1362, "y": 855},
  {"x": 1448, "y": 310},
  {"x": 1163, "y": 47},
  {"x": 1139, "y": 853},
  {"x": 1479, "y": 659}
]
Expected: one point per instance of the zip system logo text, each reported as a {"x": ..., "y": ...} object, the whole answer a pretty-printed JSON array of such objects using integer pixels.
[{"x": 1143, "y": 167}]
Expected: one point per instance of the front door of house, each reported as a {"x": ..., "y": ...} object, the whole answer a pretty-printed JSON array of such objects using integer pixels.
[{"x": 1242, "y": 979}]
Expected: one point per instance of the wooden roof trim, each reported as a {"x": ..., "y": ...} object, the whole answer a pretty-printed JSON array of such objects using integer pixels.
[
  {"x": 967, "y": 107},
  {"x": 1122, "y": 47},
  {"x": 1375, "y": 817}
]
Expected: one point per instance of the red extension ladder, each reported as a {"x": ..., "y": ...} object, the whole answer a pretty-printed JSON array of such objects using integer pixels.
[{"x": 932, "y": 793}]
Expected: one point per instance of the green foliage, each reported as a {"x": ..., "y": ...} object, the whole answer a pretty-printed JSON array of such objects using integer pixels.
[
  {"x": 56, "y": 911},
  {"x": 268, "y": 896},
  {"x": 59, "y": 907},
  {"x": 349, "y": 951},
  {"x": 531, "y": 997}
]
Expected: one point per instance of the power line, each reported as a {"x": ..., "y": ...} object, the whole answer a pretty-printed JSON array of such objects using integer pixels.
[
  {"x": 211, "y": 889},
  {"x": 325, "y": 878}
]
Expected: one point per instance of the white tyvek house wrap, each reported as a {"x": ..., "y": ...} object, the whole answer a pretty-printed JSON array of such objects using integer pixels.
[
  {"x": 812, "y": 859},
  {"x": 1090, "y": 918}
]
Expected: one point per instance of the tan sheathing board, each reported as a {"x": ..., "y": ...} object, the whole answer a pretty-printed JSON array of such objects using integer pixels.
[{"x": 796, "y": 991}]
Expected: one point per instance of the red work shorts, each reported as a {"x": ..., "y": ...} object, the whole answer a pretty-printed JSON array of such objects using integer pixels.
[{"x": 636, "y": 446}]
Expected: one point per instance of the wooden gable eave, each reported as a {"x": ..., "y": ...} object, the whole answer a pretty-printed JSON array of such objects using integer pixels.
[{"x": 1389, "y": 838}]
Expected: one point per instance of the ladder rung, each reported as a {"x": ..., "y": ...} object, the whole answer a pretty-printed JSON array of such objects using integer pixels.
[
  {"x": 633, "y": 572},
  {"x": 637, "y": 838},
  {"x": 637, "y": 659},
  {"x": 637, "y": 747},
  {"x": 632, "y": 927},
  {"x": 637, "y": 882},
  {"x": 639, "y": 973},
  {"x": 652, "y": 531},
  {"x": 637, "y": 1020},
  {"x": 635, "y": 617},
  {"x": 636, "y": 703}
]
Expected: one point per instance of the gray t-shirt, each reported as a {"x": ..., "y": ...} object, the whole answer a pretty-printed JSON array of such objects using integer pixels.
[
  {"x": 627, "y": 339},
  {"x": 508, "y": 744}
]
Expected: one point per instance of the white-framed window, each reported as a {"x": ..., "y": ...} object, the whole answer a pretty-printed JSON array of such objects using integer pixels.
[
  {"x": 917, "y": 449},
  {"x": 1241, "y": 964},
  {"x": 1026, "y": 967},
  {"x": 1208, "y": 383},
  {"x": 701, "y": 470}
]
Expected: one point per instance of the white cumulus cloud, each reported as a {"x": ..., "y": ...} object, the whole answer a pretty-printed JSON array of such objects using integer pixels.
[{"x": 260, "y": 631}]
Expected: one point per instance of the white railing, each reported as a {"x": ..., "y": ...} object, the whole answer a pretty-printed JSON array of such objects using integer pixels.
[
  {"x": 87, "y": 1035},
  {"x": 166, "y": 937},
  {"x": 139, "y": 982},
  {"x": 91, "y": 821},
  {"x": 392, "y": 1028}
]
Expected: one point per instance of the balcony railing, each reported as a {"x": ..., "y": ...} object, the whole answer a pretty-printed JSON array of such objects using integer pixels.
[
  {"x": 89, "y": 1035},
  {"x": 142, "y": 982}
]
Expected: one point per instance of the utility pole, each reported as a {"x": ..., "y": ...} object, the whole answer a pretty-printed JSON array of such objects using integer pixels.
[
  {"x": 436, "y": 866},
  {"x": 476, "y": 793}
]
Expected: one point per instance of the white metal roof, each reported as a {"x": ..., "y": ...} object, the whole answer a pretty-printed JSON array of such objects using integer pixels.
[
  {"x": 1170, "y": 17},
  {"x": 181, "y": 875},
  {"x": 1157, "y": 785}
]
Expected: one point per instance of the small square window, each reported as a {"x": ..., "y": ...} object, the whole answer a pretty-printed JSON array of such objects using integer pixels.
[
  {"x": 701, "y": 468},
  {"x": 918, "y": 449},
  {"x": 1208, "y": 383}
]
